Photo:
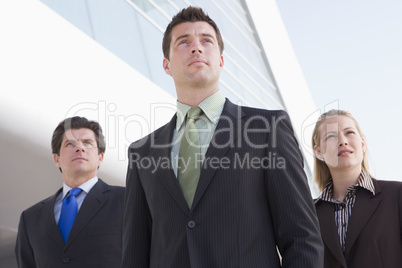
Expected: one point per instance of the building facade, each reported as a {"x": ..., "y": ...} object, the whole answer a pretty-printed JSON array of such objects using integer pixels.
[{"x": 133, "y": 30}]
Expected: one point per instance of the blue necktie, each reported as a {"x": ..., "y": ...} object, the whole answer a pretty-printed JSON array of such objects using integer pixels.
[{"x": 68, "y": 213}]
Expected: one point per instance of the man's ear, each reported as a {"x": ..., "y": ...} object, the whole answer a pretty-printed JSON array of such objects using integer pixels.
[
  {"x": 100, "y": 159},
  {"x": 166, "y": 66},
  {"x": 56, "y": 160}
]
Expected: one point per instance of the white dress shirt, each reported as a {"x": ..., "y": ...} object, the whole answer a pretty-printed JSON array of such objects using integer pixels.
[{"x": 86, "y": 187}]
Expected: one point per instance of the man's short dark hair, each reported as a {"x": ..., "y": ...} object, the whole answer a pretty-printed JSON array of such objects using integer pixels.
[
  {"x": 77, "y": 122},
  {"x": 189, "y": 14}
]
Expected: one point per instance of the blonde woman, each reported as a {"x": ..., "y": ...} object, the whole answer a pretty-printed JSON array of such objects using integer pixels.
[{"x": 360, "y": 217}]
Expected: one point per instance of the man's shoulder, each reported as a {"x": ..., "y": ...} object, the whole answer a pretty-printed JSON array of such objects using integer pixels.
[
  {"x": 268, "y": 116},
  {"x": 116, "y": 189},
  {"x": 113, "y": 194},
  {"x": 246, "y": 111},
  {"x": 263, "y": 112},
  {"x": 145, "y": 141},
  {"x": 38, "y": 206}
]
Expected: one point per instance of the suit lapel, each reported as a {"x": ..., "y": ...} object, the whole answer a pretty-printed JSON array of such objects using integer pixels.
[
  {"x": 47, "y": 214},
  {"x": 325, "y": 213},
  {"x": 226, "y": 133},
  {"x": 365, "y": 206},
  {"x": 162, "y": 148},
  {"x": 93, "y": 202}
]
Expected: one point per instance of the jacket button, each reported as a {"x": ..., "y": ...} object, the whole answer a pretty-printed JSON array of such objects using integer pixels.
[
  {"x": 191, "y": 224},
  {"x": 66, "y": 260}
]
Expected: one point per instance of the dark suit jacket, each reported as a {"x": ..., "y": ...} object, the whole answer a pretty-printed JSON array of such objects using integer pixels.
[
  {"x": 374, "y": 235},
  {"x": 95, "y": 238},
  {"x": 241, "y": 211}
]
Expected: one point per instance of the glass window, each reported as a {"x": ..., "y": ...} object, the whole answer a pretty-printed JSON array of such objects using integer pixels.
[{"x": 133, "y": 30}]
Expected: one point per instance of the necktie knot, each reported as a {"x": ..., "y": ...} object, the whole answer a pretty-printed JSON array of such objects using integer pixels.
[
  {"x": 76, "y": 191},
  {"x": 194, "y": 113}
]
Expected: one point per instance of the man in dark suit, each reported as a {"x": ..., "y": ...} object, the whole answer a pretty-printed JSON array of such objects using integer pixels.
[
  {"x": 220, "y": 185},
  {"x": 45, "y": 238}
]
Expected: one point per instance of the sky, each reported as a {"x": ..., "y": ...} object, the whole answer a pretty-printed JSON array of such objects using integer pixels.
[{"x": 350, "y": 53}]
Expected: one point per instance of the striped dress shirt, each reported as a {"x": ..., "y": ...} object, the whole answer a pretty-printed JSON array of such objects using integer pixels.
[{"x": 343, "y": 210}]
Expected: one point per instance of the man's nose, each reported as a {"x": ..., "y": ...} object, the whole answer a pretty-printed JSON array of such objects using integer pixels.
[
  {"x": 196, "y": 47},
  {"x": 78, "y": 148}
]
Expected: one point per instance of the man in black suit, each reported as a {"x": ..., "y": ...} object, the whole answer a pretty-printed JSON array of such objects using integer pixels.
[
  {"x": 220, "y": 185},
  {"x": 94, "y": 240}
]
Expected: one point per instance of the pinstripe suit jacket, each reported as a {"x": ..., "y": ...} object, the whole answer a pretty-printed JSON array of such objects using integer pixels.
[
  {"x": 252, "y": 198},
  {"x": 95, "y": 238},
  {"x": 374, "y": 236}
]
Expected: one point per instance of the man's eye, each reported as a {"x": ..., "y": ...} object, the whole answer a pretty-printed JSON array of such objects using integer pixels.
[{"x": 88, "y": 144}]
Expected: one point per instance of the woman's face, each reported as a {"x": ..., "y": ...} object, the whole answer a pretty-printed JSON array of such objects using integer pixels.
[{"x": 341, "y": 146}]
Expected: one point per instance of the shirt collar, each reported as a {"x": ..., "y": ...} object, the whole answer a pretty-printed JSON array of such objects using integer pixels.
[
  {"x": 211, "y": 106},
  {"x": 365, "y": 181},
  {"x": 86, "y": 186},
  {"x": 326, "y": 194}
]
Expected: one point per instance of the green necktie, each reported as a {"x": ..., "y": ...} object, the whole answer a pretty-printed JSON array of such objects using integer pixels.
[{"x": 188, "y": 169}]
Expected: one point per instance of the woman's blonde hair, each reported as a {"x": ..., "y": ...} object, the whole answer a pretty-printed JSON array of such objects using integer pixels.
[{"x": 321, "y": 170}]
